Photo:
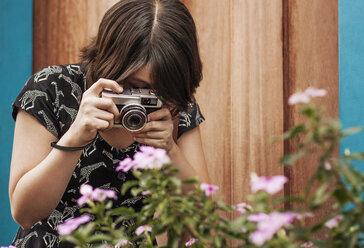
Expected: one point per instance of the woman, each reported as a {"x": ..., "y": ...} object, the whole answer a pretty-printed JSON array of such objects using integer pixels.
[{"x": 140, "y": 44}]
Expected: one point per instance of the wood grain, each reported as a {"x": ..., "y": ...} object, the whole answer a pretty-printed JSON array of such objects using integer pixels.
[
  {"x": 241, "y": 48},
  {"x": 256, "y": 92},
  {"x": 62, "y": 27},
  {"x": 311, "y": 59},
  {"x": 255, "y": 54},
  {"x": 214, "y": 95}
]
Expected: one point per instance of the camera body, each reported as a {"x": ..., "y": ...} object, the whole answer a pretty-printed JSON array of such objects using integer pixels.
[{"x": 134, "y": 106}]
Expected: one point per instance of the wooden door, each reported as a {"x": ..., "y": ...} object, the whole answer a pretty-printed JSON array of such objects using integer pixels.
[{"x": 255, "y": 54}]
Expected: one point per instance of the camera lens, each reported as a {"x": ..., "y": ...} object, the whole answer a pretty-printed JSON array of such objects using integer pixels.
[
  {"x": 133, "y": 117},
  {"x": 134, "y": 120}
]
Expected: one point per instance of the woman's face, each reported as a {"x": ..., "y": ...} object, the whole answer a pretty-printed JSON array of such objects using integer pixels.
[{"x": 140, "y": 79}]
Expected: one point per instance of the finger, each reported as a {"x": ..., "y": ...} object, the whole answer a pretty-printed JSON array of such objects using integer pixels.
[
  {"x": 102, "y": 83},
  {"x": 104, "y": 115},
  {"x": 155, "y": 126},
  {"x": 151, "y": 135},
  {"x": 108, "y": 105},
  {"x": 161, "y": 114},
  {"x": 100, "y": 124},
  {"x": 151, "y": 142}
]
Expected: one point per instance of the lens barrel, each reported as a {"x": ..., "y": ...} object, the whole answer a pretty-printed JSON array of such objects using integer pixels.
[{"x": 133, "y": 117}]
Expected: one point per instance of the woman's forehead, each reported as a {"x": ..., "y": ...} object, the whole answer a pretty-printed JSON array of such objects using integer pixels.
[{"x": 143, "y": 75}]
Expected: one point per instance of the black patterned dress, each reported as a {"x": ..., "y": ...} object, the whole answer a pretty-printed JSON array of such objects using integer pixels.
[{"x": 52, "y": 96}]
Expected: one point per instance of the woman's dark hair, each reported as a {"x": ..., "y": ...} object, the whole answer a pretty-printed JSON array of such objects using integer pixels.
[{"x": 160, "y": 34}]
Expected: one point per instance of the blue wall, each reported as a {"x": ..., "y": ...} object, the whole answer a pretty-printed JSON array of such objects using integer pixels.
[
  {"x": 351, "y": 60},
  {"x": 15, "y": 68}
]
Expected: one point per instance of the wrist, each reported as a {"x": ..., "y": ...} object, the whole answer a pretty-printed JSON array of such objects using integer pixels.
[{"x": 72, "y": 139}]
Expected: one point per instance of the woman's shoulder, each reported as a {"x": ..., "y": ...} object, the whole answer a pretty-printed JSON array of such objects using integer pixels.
[
  {"x": 69, "y": 74},
  {"x": 52, "y": 95}
]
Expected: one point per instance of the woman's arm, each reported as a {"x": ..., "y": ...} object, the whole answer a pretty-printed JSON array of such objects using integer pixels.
[
  {"x": 188, "y": 156},
  {"x": 39, "y": 175}
]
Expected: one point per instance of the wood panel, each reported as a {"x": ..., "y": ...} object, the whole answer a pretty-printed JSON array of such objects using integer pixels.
[
  {"x": 255, "y": 54},
  {"x": 256, "y": 92},
  {"x": 311, "y": 59},
  {"x": 241, "y": 49},
  {"x": 213, "y": 26},
  {"x": 62, "y": 27}
]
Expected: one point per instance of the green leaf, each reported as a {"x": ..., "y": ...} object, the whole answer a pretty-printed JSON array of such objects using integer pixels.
[
  {"x": 175, "y": 181},
  {"x": 320, "y": 196},
  {"x": 122, "y": 210},
  {"x": 136, "y": 191},
  {"x": 351, "y": 131},
  {"x": 350, "y": 175},
  {"x": 127, "y": 185},
  {"x": 99, "y": 238},
  {"x": 335, "y": 123},
  {"x": 70, "y": 239},
  {"x": 290, "y": 159},
  {"x": 222, "y": 206},
  {"x": 190, "y": 181},
  {"x": 355, "y": 156},
  {"x": 108, "y": 205},
  {"x": 294, "y": 132},
  {"x": 317, "y": 227},
  {"x": 309, "y": 112},
  {"x": 218, "y": 241},
  {"x": 341, "y": 195}
]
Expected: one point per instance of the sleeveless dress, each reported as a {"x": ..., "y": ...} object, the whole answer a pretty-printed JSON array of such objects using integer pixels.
[{"x": 52, "y": 96}]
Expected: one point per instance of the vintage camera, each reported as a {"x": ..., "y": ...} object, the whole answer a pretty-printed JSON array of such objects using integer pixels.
[{"x": 134, "y": 106}]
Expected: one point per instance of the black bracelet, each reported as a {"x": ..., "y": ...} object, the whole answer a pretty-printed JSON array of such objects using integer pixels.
[{"x": 67, "y": 148}]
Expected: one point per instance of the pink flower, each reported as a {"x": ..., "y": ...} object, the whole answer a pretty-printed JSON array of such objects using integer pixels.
[
  {"x": 258, "y": 217},
  {"x": 307, "y": 244},
  {"x": 313, "y": 92},
  {"x": 301, "y": 216},
  {"x": 334, "y": 222},
  {"x": 102, "y": 194},
  {"x": 242, "y": 207},
  {"x": 268, "y": 225},
  {"x": 72, "y": 224},
  {"x": 88, "y": 194},
  {"x": 147, "y": 158},
  {"x": 209, "y": 189},
  {"x": 142, "y": 229},
  {"x": 151, "y": 158},
  {"x": 328, "y": 166},
  {"x": 123, "y": 243},
  {"x": 146, "y": 192},
  {"x": 260, "y": 237},
  {"x": 271, "y": 184},
  {"x": 298, "y": 98},
  {"x": 305, "y": 97},
  {"x": 11, "y": 246},
  {"x": 190, "y": 242},
  {"x": 125, "y": 165}
]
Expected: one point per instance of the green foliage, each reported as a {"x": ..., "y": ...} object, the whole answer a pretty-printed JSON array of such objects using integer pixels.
[{"x": 180, "y": 215}]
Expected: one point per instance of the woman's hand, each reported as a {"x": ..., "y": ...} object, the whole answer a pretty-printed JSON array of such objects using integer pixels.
[
  {"x": 95, "y": 113},
  {"x": 158, "y": 132}
]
